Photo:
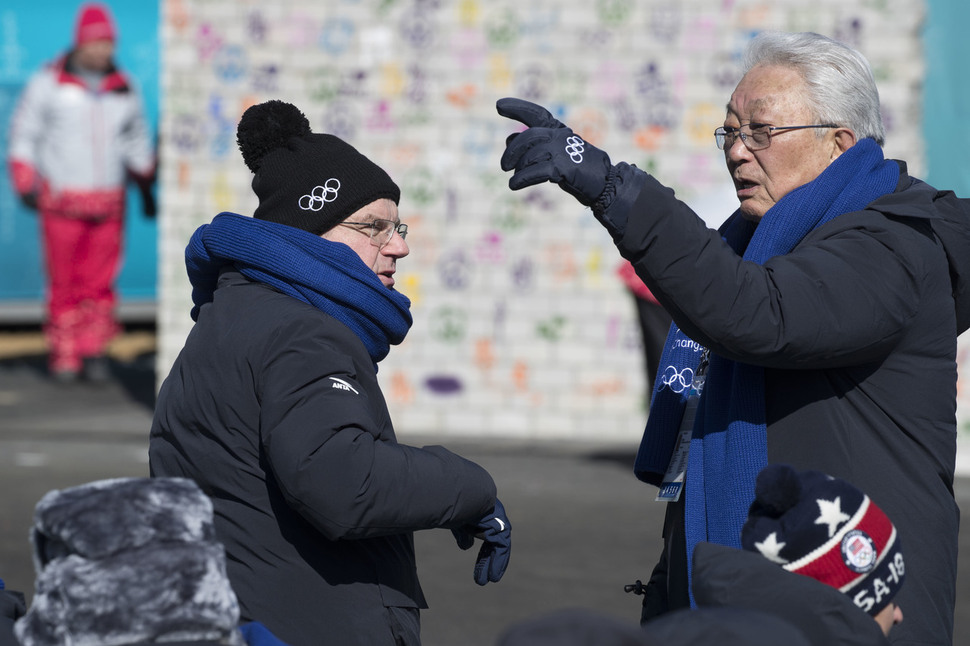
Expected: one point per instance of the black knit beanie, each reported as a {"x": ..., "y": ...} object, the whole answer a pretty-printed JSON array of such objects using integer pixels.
[{"x": 306, "y": 180}]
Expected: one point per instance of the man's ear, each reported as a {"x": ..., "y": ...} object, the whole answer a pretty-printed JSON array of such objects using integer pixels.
[{"x": 842, "y": 141}]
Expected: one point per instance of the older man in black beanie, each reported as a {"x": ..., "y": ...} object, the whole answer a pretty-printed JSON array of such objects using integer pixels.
[{"x": 274, "y": 408}]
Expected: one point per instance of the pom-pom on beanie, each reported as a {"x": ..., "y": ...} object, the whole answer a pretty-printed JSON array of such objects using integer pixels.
[
  {"x": 302, "y": 179},
  {"x": 825, "y": 528},
  {"x": 93, "y": 23}
]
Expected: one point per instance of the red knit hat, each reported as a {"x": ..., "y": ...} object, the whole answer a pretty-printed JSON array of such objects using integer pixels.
[{"x": 93, "y": 23}]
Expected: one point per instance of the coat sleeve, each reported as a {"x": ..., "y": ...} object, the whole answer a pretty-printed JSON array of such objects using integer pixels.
[
  {"x": 26, "y": 133},
  {"x": 842, "y": 297},
  {"x": 321, "y": 432},
  {"x": 137, "y": 146}
]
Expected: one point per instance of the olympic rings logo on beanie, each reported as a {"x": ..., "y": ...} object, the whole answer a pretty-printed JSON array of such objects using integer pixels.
[
  {"x": 858, "y": 551},
  {"x": 827, "y": 529},
  {"x": 320, "y": 195}
]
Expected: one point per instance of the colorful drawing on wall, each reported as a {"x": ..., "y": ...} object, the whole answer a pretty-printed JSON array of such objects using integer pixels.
[{"x": 521, "y": 326}]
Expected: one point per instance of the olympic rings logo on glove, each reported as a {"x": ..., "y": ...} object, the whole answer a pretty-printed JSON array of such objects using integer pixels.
[
  {"x": 320, "y": 195},
  {"x": 574, "y": 148}
]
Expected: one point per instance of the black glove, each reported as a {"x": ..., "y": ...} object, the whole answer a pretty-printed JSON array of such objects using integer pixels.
[
  {"x": 550, "y": 152},
  {"x": 29, "y": 200},
  {"x": 496, "y": 532},
  {"x": 148, "y": 205}
]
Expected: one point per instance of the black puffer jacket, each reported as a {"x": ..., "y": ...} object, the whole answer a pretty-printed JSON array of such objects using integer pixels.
[
  {"x": 12, "y": 608},
  {"x": 274, "y": 408},
  {"x": 725, "y": 577},
  {"x": 856, "y": 328}
]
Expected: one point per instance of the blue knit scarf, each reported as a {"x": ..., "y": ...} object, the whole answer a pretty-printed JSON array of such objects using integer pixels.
[
  {"x": 327, "y": 275},
  {"x": 729, "y": 443}
]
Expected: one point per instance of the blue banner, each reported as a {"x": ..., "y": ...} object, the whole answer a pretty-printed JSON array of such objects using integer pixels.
[{"x": 31, "y": 34}]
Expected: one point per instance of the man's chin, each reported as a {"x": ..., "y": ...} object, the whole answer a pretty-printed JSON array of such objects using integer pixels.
[{"x": 751, "y": 213}]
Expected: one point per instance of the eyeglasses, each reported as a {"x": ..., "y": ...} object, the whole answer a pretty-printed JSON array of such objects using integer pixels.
[
  {"x": 380, "y": 231},
  {"x": 757, "y": 137}
]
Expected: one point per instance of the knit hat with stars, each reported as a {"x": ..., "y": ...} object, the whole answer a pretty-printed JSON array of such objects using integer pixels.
[
  {"x": 304, "y": 179},
  {"x": 825, "y": 528}
]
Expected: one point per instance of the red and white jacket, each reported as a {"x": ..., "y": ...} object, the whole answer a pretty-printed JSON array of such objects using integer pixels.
[{"x": 75, "y": 146}]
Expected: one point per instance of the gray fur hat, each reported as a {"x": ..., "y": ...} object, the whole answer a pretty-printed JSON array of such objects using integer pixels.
[{"x": 128, "y": 561}]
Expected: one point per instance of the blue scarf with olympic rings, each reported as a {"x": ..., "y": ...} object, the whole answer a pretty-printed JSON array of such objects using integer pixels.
[
  {"x": 330, "y": 276},
  {"x": 729, "y": 443}
]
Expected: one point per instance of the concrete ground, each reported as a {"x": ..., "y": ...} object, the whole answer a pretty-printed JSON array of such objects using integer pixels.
[{"x": 583, "y": 526}]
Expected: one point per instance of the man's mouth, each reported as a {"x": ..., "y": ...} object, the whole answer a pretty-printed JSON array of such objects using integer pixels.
[{"x": 745, "y": 189}]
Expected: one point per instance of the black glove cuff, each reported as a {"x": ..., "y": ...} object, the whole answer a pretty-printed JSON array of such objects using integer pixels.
[
  {"x": 606, "y": 197},
  {"x": 612, "y": 207}
]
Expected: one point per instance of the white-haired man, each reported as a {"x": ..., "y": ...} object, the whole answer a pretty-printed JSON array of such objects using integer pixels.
[{"x": 822, "y": 315}]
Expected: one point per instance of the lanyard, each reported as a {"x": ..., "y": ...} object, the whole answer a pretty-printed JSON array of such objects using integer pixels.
[{"x": 673, "y": 482}]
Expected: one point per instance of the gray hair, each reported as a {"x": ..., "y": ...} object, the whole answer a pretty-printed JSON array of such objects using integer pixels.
[{"x": 841, "y": 87}]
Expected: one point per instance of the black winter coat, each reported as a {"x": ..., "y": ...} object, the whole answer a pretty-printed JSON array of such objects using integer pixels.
[
  {"x": 12, "y": 608},
  {"x": 856, "y": 328},
  {"x": 274, "y": 408},
  {"x": 725, "y": 577}
]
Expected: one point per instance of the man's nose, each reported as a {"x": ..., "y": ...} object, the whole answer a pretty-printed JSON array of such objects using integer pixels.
[
  {"x": 396, "y": 246},
  {"x": 737, "y": 150}
]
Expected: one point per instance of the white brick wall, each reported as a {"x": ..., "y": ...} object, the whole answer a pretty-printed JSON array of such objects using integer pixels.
[{"x": 515, "y": 300}]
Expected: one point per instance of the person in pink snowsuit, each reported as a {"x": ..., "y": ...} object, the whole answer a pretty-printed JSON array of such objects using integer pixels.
[{"x": 78, "y": 134}]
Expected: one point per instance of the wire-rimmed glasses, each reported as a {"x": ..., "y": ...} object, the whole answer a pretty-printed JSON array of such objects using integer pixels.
[
  {"x": 755, "y": 136},
  {"x": 379, "y": 231}
]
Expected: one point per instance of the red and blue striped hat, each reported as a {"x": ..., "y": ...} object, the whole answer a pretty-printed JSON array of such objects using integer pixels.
[{"x": 825, "y": 528}]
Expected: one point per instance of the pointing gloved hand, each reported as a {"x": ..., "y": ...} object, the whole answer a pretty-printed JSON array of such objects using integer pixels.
[
  {"x": 550, "y": 152},
  {"x": 496, "y": 532}
]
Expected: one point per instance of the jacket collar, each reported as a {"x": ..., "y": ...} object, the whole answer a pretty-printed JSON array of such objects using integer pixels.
[{"x": 67, "y": 73}]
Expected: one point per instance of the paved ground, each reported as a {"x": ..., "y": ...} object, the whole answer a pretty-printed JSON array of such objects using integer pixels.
[{"x": 583, "y": 525}]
